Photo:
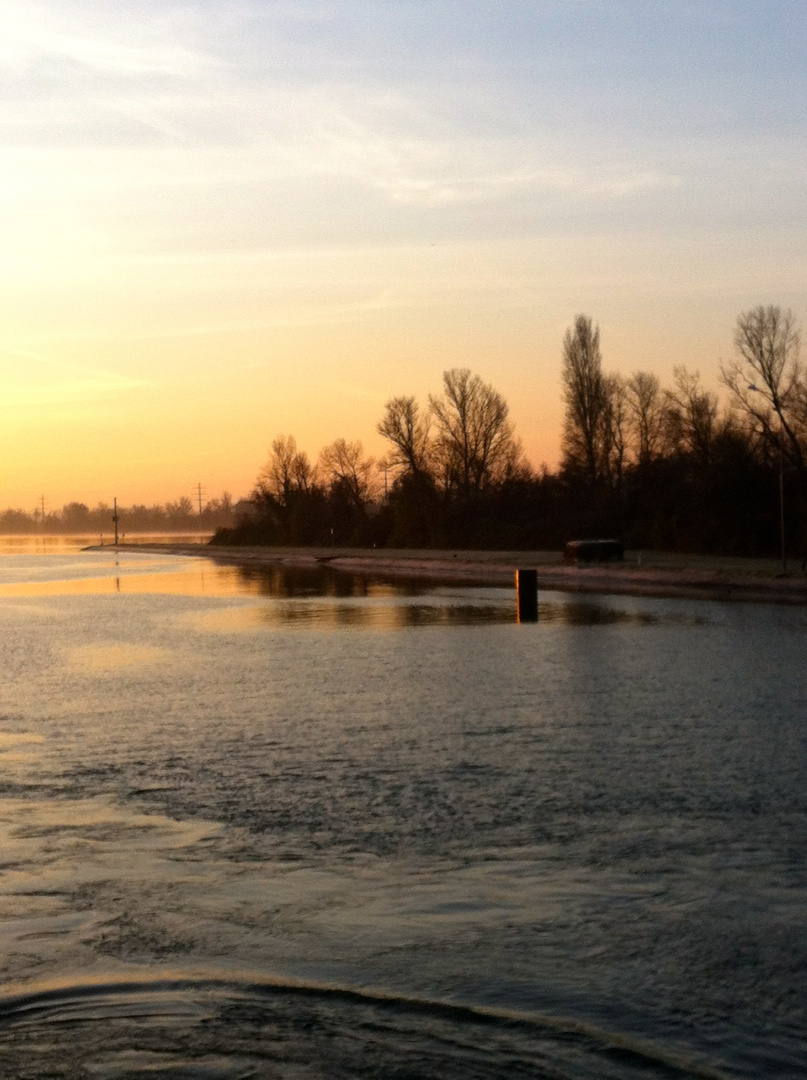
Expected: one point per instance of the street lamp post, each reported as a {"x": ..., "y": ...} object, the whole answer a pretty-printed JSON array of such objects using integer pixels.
[
  {"x": 782, "y": 501},
  {"x": 780, "y": 443}
]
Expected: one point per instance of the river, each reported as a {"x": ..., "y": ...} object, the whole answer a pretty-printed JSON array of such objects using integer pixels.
[{"x": 290, "y": 823}]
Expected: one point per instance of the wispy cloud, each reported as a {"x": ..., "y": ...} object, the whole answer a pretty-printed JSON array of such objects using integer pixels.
[
  {"x": 27, "y": 39},
  {"x": 434, "y": 171},
  {"x": 45, "y": 381}
]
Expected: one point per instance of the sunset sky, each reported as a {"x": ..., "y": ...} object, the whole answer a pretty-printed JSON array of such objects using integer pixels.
[{"x": 226, "y": 221}]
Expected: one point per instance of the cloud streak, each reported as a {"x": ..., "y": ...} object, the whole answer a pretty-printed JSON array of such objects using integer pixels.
[
  {"x": 31, "y": 36},
  {"x": 52, "y": 381}
]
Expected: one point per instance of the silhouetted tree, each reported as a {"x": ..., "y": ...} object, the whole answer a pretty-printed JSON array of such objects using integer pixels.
[
  {"x": 691, "y": 415},
  {"x": 767, "y": 383},
  {"x": 405, "y": 426},
  {"x": 287, "y": 471},
  {"x": 614, "y": 430},
  {"x": 645, "y": 405},
  {"x": 344, "y": 466},
  {"x": 474, "y": 442},
  {"x": 660, "y": 467},
  {"x": 584, "y": 397}
]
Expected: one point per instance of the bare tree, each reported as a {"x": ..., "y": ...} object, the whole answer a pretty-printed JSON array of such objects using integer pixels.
[
  {"x": 613, "y": 429},
  {"x": 766, "y": 381},
  {"x": 584, "y": 395},
  {"x": 344, "y": 464},
  {"x": 405, "y": 426},
  {"x": 691, "y": 414},
  {"x": 645, "y": 404},
  {"x": 288, "y": 470},
  {"x": 474, "y": 439},
  {"x": 180, "y": 510}
]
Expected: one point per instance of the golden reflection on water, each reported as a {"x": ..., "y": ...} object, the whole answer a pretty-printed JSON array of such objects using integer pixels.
[
  {"x": 100, "y": 818},
  {"x": 131, "y": 579},
  {"x": 326, "y": 599},
  {"x": 100, "y": 658},
  {"x": 334, "y": 615},
  {"x": 72, "y": 543},
  {"x": 19, "y": 747},
  {"x": 14, "y": 738},
  {"x": 311, "y": 595}
]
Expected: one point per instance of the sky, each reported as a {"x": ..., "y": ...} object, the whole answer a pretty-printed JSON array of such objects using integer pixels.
[{"x": 226, "y": 221}]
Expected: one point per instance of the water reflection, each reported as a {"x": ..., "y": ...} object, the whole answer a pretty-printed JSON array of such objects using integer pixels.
[
  {"x": 592, "y": 613},
  {"x": 101, "y": 574},
  {"x": 339, "y": 614},
  {"x": 600, "y": 818},
  {"x": 326, "y": 598},
  {"x": 99, "y": 658},
  {"x": 369, "y": 601},
  {"x": 285, "y": 581},
  {"x": 315, "y": 594},
  {"x": 20, "y": 748},
  {"x": 63, "y": 544}
]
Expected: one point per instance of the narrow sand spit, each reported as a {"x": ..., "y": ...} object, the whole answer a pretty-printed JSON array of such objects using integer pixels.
[{"x": 693, "y": 577}]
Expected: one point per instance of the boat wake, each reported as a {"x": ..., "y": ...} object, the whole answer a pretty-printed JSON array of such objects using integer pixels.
[{"x": 234, "y": 1028}]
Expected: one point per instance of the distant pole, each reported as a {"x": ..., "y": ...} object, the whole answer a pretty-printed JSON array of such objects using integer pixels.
[
  {"x": 115, "y": 519},
  {"x": 42, "y": 503},
  {"x": 199, "y": 491}
]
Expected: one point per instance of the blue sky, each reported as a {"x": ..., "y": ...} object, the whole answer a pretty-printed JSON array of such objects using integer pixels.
[{"x": 283, "y": 213}]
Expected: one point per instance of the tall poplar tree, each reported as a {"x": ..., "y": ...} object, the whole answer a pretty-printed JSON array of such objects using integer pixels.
[{"x": 584, "y": 393}]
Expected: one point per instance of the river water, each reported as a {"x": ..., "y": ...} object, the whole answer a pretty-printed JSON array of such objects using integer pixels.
[{"x": 295, "y": 824}]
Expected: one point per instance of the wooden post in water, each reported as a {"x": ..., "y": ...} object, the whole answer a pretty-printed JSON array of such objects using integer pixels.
[{"x": 527, "y": 595}]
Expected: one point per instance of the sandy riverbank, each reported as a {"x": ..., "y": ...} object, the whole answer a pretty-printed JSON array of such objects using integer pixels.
[{"x": 641, "y": 575}]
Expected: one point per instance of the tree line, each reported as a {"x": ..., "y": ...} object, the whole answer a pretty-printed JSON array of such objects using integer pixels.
[
  {"x": 659, "y": 467},
  {"x": 78, "y": 518}
]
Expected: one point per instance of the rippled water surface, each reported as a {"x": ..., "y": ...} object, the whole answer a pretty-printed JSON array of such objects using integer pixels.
[{"x": 297, "y": 824}]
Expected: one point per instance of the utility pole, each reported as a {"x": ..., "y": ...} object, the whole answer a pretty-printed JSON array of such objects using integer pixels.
[
  {"x": 42, "y": 503},
  {"x": 199, "y": 493},
  {"x": 115, "y": 519}
]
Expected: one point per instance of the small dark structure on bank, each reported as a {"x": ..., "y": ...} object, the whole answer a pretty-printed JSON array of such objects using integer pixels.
[{"x": 586, "y": 552}]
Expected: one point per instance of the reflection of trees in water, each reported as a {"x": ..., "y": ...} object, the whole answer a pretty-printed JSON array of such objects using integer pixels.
[
  {"x": 290, "y": 581},
  {"x": 285, "y": 581},
  {"x": 582, "y": 613},
  {"x": 417, "y": 603},
  {"x": 313, "y": 583},
  {"x": 321, "y": 613}
]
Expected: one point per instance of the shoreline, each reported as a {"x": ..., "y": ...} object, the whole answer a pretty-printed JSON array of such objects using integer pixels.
[{"x": 735, "y": 580}]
